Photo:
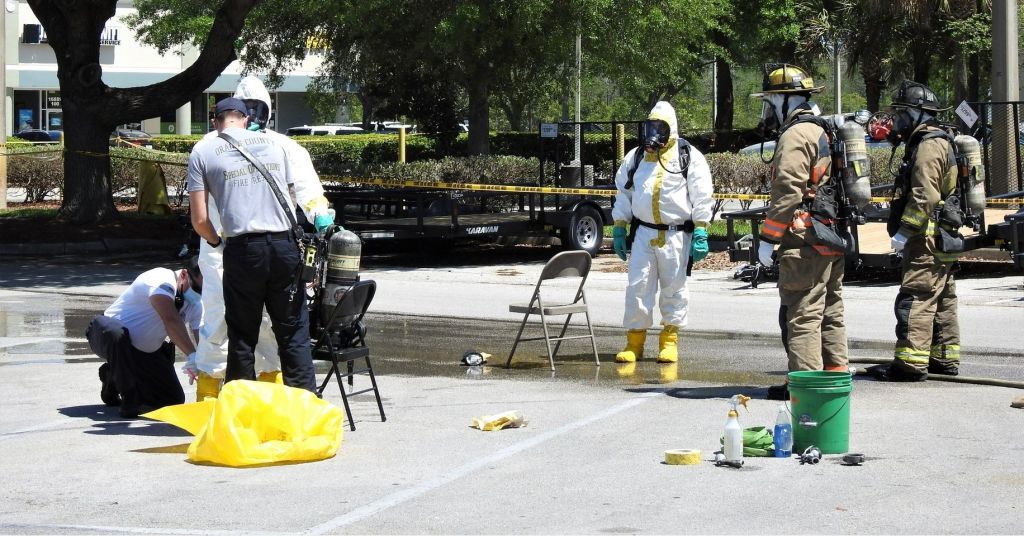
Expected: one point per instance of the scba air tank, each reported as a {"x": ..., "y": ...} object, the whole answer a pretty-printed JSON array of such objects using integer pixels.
[
  {"x": 858, "y": 166},
  {"x": 970, "y": 150},
  {"x": 344, "y": 250}
]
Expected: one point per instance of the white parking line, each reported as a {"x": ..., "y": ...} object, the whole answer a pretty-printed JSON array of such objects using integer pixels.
[
  {"x": 78, "y": 529},
  {"x": 431, "y": 484},
  {"x": 36, "y": 428}
]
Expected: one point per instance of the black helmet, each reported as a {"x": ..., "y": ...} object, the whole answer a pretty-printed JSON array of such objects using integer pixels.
[{"x": 916, "y": 95}]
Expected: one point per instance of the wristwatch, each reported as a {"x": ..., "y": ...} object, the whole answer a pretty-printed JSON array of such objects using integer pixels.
[{"x": 217, "y": 245}]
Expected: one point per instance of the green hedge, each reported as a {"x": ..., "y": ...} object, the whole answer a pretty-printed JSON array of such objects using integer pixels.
[
  {"x": 376, "y": 155},
  {"x": 40, "y": 170}
]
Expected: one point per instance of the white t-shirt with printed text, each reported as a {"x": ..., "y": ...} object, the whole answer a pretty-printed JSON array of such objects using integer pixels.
[{"x": 134, "y": 310}]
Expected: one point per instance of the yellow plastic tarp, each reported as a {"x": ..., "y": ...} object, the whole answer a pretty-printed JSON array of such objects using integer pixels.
[
  {"x": 152, "y": 189},
  {"x": 256, "y": 423}
]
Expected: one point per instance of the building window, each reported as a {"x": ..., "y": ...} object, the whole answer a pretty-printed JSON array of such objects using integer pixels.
[{"x": 26, "y": 110}]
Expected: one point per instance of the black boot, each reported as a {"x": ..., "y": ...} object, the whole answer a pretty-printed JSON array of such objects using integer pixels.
[
  {"x": 108, "y": 393},
  {"x": 934, "y": 367},
  {"x": 890, "y": 373}
]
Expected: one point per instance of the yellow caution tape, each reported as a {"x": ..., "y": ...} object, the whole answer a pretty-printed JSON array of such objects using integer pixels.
[
  {"x": 682, "y": 457},
  {"x": 472, "y": 187},
  {"x": 480, "y": 187},
  {"x": 563, "y": 191}
]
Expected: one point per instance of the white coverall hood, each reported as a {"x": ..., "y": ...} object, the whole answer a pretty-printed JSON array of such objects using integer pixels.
[
  {"x": 251, "y": 87},
  {"x": 665, "y": 112}
]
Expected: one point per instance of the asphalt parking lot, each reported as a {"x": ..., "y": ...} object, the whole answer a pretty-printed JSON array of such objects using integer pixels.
[{"x": 941, "y": 457}]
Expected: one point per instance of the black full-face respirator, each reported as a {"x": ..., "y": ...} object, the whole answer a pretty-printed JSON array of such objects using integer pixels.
[
  {"x": 657, "y": 134},
  {"x": 258, "y": 114},
  {"x": 904, "y": 123}
]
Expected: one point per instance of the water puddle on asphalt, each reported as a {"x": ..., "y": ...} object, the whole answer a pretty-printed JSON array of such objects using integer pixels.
[
  {"x": 433, "y": 347},
  {"x": 419, "y": 346},
  {"x": 422, "y": 346},
  {"x": 55, "y": 336}
]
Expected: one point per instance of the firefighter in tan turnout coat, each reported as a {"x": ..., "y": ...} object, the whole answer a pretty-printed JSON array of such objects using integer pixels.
[
  {"x": 927, "y": 330},
  {"x": 810, "y": 272}
]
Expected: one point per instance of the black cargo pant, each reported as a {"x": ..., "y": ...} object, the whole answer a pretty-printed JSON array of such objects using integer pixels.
[
  {"x": 259, "y": 271},
  {"x": 144, "y": 380}
]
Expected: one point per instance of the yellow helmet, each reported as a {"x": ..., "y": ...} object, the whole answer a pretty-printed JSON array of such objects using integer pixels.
[{"x": 785, "y": 78}]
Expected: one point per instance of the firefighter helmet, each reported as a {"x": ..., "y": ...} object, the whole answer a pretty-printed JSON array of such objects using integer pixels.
[
  {"x": 916, "y": 95},
  {"x": 785, "y": 78}
]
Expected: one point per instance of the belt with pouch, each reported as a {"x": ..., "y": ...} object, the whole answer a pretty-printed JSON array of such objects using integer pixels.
[{"x": 686, "y": 226}]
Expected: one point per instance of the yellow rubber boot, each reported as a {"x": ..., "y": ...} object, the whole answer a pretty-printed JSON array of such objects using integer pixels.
[
  {"x": 271, "y": 376},
  {"x": 625, "y": 370},
  {"x": 668, "y": 372},
  {"x": 668, "y": 351},
  {"x": 207, "y": 386},
  {"x": 634, "y": 346}
]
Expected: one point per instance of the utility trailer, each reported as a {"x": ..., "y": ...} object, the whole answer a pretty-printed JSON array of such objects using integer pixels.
[
  {"x": 552, "y": 206},
  {"x": 409, "y": 214},
  {"x": 1000, "y": 227}
]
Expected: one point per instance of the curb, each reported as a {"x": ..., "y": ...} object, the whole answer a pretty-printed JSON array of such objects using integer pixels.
[{"x": 114, "y": 245}]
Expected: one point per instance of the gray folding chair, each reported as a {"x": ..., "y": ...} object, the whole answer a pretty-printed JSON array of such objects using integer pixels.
[{"x": 563, "y": 265}]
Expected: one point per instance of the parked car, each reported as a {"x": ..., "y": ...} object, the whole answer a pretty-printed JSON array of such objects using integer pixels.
[
  {"x": 128, "y": 136},
  {"x": 39, "y": 136},
  {"x": 324, "y": 130},
  {"x": 391, "y": 127},
  {"x": 769, "y": 146}
]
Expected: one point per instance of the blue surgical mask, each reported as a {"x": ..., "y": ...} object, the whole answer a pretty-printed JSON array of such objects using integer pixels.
[{"x": 192, "y": 297}]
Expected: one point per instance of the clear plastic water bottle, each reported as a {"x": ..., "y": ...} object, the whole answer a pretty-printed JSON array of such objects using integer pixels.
[{"x": 783, "y": 433}]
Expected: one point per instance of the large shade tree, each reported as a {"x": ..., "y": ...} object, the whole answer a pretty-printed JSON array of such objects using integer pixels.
[
  {"x": 655, "y": 50},
  {"x": 92, "y": 109}
]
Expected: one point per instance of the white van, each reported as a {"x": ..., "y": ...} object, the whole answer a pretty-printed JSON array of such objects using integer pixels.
[{"x": 324, "y": 130}]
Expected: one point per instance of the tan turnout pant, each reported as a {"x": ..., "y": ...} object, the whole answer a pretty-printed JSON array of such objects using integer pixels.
[
  {"x": 927, "y": 328},
  {"x": 811, "y": 315}
]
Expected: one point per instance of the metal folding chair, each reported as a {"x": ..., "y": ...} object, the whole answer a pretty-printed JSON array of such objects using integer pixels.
[
  {"x": 563, "y": 265},
  {"x": 345, "y": 342}
]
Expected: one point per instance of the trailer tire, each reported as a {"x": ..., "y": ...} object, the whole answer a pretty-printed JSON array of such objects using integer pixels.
[{"x": 586, "y": 230}]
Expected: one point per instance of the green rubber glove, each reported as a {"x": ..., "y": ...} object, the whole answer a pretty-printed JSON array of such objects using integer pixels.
[
  {"x": 619, "y": 241},
  {"x": 322, "y": 221},
  {"x": 699, "y": 245}
]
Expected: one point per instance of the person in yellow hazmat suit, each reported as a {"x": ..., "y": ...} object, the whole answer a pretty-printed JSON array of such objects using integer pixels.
[
  {"x": 810, "y": 271},
  {"x": 210, "y": 361},
  {"x": 664, "y": 194}
]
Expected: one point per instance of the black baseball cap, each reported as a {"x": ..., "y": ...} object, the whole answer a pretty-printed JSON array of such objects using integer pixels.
[{"x": 230, "y": 104}]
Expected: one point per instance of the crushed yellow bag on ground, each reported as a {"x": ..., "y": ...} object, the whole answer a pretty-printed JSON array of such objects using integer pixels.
[
  {"x": 509, "y": 419},
  {"x": 256, "y": 423}
]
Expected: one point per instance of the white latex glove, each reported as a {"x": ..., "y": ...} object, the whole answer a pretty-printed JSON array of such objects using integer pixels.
[
  {"x": 899, "y": 242},
  {"x": 190, "y": 369},
  {"x": 764, "y": 253}
]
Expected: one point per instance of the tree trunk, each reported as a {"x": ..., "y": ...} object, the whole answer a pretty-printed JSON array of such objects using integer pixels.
[
  {"x": 479, "y": 116},
  {"x": 960, "y": 83},
  {"x": 368, "y": 104},
  {"x": 874, "y": 80},
  {"x": 723, "y": 122},
  {"x": 87, "y": 192},
  {"x": 514, "y": 112},
  {"x": 92, "y": 109}
]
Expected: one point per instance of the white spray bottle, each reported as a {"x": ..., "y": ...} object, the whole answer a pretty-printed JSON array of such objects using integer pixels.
[{"x": 732, "y": 446}]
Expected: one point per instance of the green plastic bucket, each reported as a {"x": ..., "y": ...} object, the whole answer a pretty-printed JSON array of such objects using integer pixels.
[{"x": 821, "y": 410}]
